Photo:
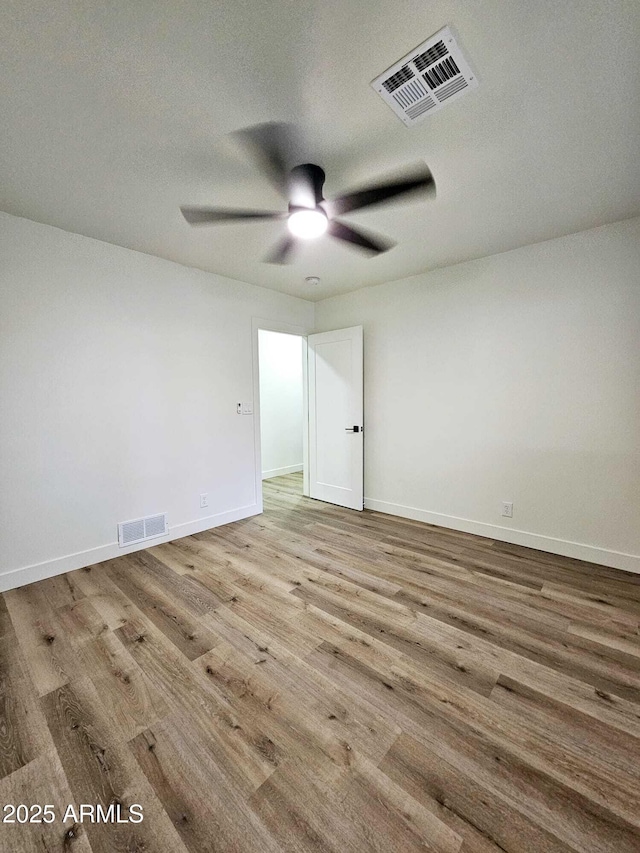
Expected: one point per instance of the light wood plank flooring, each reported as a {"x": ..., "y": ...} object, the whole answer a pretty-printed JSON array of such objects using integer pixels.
[{"x": 315, "y": 679}]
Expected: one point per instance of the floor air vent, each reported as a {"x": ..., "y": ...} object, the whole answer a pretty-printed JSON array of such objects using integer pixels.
[
  {"x": 130, "y": 532},
  {"x": 427, "y": 79}
]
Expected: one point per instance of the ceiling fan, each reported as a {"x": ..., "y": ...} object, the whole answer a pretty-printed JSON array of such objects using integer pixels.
[{"x": 309, "y": 215}]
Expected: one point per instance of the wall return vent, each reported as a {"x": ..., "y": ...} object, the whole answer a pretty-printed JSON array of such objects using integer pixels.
[
  {"x": 427, "y": 79},
  {"x": 130, "y": 532}
]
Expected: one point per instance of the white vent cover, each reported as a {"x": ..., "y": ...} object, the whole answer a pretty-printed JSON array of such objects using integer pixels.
[
  {"x": 141, "y": 529},
  {"x": 427, "y": 79}
]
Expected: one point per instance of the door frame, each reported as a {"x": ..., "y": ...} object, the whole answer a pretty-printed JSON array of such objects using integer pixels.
[{"x": 260, "y": 324}]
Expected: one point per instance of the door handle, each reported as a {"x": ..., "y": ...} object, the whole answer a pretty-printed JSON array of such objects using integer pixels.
[{"x": 353, "y": 429}]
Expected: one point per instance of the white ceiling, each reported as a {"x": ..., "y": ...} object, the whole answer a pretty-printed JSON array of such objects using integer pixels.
[{"x": 114, "y": 114}]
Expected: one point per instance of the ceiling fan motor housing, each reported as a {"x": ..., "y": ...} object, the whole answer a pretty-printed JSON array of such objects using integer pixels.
[{"x": 305, "y": 186}]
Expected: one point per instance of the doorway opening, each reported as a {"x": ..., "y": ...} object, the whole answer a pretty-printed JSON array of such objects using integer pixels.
[
  {"x": 308, "y": 389},
  {"x": 282, "y": 409}
]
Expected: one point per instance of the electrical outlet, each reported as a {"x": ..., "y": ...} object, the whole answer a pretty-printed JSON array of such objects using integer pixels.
[
  {"x": 204, "y": 500},
  {"x": 507, "y": 509}
]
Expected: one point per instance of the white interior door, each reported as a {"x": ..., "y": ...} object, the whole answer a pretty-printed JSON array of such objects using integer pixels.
[{"x": 335, "y": 417}]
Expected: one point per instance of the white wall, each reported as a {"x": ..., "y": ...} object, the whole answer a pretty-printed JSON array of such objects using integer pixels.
[
  {"x": 280, "y": 403},
  {"x": 511, "y": 378},
  {"x": 119, "y": 378},
  {"x": 514, "y": 377}
]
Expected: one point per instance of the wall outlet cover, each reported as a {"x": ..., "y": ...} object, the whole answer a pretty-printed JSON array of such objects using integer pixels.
[{"x": 507, "y": 509}]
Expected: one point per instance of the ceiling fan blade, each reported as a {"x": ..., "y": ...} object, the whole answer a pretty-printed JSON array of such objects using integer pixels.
[
  {"x": 281, "y": 253},
  {"x": 374, "y": 244},
  {"x": 274, "y": 146},
  {"x": 418, "y": 181},
  {"x": 221, "y": 215}
]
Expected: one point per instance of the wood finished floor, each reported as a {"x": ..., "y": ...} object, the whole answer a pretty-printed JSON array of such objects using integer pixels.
[{"x": 315, "y": 679}]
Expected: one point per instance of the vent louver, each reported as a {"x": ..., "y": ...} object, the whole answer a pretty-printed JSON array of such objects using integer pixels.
[
  {"x": 441, "y": 72},
  {"x": 453, "y": 88},
  {"x": 140, "y": 529},
  {"x": 424, "y": 60},
  {"x": 428, "y": 78},
  {"x": 396, "y": 80}
]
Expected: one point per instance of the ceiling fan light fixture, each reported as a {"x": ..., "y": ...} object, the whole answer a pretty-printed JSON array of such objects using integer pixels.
[{"x": 307, "y": 224}]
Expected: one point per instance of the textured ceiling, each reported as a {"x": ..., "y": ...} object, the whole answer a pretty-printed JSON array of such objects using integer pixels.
[{"x": 114, "y": 114}]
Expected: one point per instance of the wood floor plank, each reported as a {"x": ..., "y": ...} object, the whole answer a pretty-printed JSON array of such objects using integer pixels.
[
  {"x": 42, "y": 781},
  {"x": 5, "y": 619},
  {"x": 81, "y": 622},
  {"x": 466, "y": 651},
  {"x": 102, "y": 771},
  {"x": 207, "y": 566},
  {"x": 23, "y": 732},
  {"x": 195, "y": 598},
  {"x": 104, "y": 596},
  {"x": 437, "y": 703},
  {"x": 606, "y": 667},
  {"x": 164, "y": 553},
  {"x": 317, "y": 679},
  {"x": 369, "y": 814},
  {"x": 178, "y": 624},
  {"x": 550, "y": 804},
  {"x": 246, "y": 670},
  {"x": 386, "y": 810},
  {"x": 540, "y": 601},
  {"x": 128, "y": 696},
  {"x": 627, "y": 642},
  {"x": 44, "y": 642},
  {"x": 579, "y": 731},
  {"x": 61, "y": 590},
  {"x": 202, "y": 803},
  {"x": 492, "y": 816},
  {"x": 291, "y": 732},
  {"x": 191, "y": 694}
]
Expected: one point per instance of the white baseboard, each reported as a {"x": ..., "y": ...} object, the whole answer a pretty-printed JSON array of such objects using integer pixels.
[
  {"x": 592, "y": 554},
  {"x": 279, "y": 472},
  {"x": 50, "y": 568},
  {"x": 577, "y": 550}
]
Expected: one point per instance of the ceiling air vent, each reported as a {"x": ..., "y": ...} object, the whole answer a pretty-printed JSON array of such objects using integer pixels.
[
  {"x": 141, "y": 529},
  {"x": 428, "y": 78}
]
